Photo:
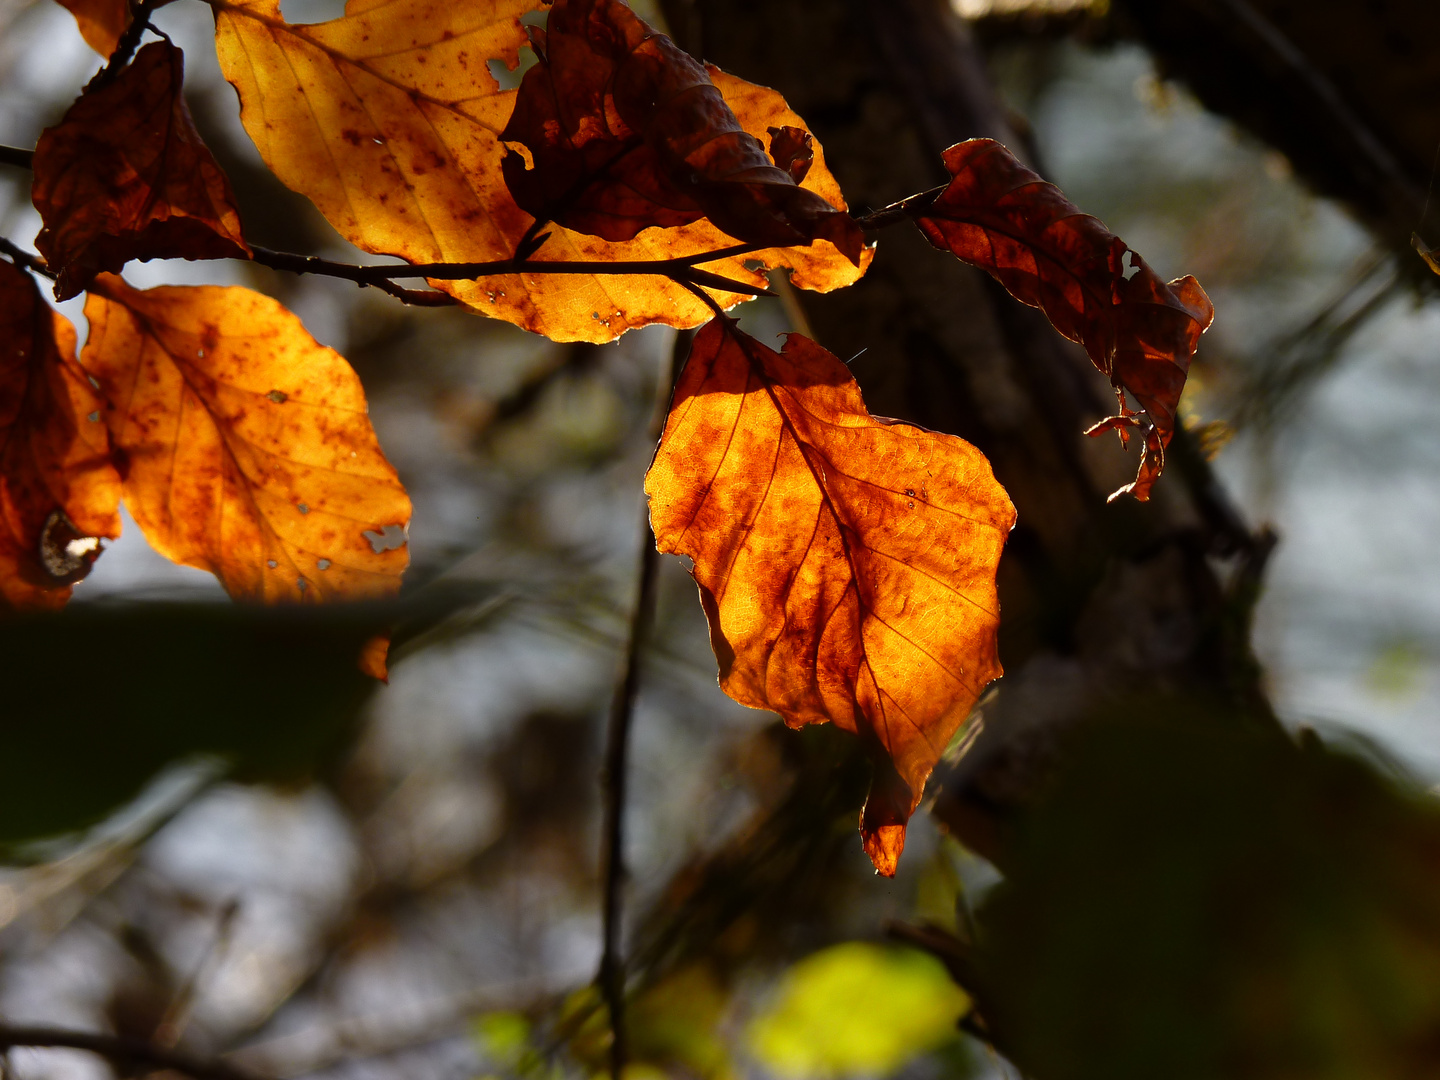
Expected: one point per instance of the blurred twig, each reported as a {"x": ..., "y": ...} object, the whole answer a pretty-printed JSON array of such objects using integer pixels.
[
  {"x": 611, "y": 975},
  {"x": 122, "y": 1050}
]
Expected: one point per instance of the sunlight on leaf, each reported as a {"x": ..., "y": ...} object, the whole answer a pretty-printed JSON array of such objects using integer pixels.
[
  {"x": 58, "y": 491},
  {"x": 846, "y": 562},
  {"x": 856, "y": 1009},
  {"x": 389, "y": 118},
  {"x": 245, "y": 445},
  {"x": 101, "y": 22},
  {"x": 125, "y": 176}
]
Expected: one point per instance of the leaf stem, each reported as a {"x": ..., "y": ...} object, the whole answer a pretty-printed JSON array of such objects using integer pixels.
[
  {"x": 611, "y": 976},
  {"x": 902, "y": 210},
  {"x": 122, "y": 1050}
]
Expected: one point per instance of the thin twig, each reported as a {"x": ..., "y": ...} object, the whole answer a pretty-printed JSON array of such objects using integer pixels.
[
  {"x": 125, "y": 47},
  {"x": 17, "y": 156},
  {"x": 122, "y": 1050},
  {"x": 22, "y": 258},
  {"x": 611, "y": 975},
  {"x": 903, "y": 210}
]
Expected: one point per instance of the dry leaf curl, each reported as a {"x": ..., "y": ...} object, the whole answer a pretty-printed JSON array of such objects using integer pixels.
[
  {"x": 126, "y": 176},
  {"x": 625, "y": 131},
  {"x": 389, "y": 119},
  {"x": 58, "y": 491},
  {"x": 846, "y": 562},
  {"x": 1002, "y": 217}
]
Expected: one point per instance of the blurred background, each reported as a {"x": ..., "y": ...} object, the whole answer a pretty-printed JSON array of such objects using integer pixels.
[{"x": 404, "y": 882}]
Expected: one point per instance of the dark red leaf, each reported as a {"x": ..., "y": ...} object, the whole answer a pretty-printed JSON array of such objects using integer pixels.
[
  {"x": 126, "y": 176},
  {"x": 624, "y": 131},
  {"x": 1002, "y": 217},
  {"x": 59, "y": 493}
]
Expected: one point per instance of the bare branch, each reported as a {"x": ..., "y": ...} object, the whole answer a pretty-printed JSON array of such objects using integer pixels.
[
  {"x": 17, "y": 156},
  {"x": 123, "y": 1051},
  {"x": 125, "y": 47},
  {"x": 22, "y": 258}
]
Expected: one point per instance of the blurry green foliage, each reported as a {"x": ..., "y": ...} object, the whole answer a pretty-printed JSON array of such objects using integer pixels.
[
  {"x": 856, "y": 1009},
  {"x": 1203, "y": 897}
]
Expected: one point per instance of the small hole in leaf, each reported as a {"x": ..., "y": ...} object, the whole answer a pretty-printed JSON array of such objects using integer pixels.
[
  {"x": 386, "y": 539},
  {"x": 303, "y": 508},
  {"x": 300, "y": 584},
  {"x": 94, "y": 416},
  {"x": 323, "y": 564},
  {"x": 278, "y": 396},
  {"x": 271, "y": 563}
]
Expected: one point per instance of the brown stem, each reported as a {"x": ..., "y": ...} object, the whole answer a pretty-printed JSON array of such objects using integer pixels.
[
  {"x": 125, "y": 47},
  {"x": 17, "y": 156},
  {"x": 611, "y": 975},
  {"x": 122, "y": 1050},
  {"x": 22, "y": 258}
]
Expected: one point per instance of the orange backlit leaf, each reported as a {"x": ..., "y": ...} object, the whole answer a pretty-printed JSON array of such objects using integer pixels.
[
  {"x": 1002, "y": 217},
  {"x": 389, "y": 120},
  {"x": 846, "y": 562},
  {"x": 125, "y": 176},
  {"x": 101, "y": 22},
  {"x": 59, "y": 493},
  {"x": 625, "y": 131},
  {"x": 244, "y": 445}
]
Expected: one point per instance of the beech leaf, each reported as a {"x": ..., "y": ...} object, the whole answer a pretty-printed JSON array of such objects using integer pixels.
[
  {"x": 58, "y": 492},
  {"x": 1002, "y": 217},
  {"x": 625, "y": 131},
  {"x": 244, "y": 444},
  {"x": 126, "y": 176},
  {"x": 389, "y": 119},
  {"x": 101, "y": 22},
  {"x": 846, "y": 562}
]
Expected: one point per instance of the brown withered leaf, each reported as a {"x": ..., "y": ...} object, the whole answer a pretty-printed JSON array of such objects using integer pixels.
[
  {"x": 59, "y": 493},
  {"x": 846, "y": 562},
  {"x": 126, "y": 176},
  {"x": 243, "y": 444},
  {"x": 625, "y": 131},
  {"x": 1002, "y": 217},
  {"x": 101, "y": 22},
  {"x": 389, "y": 118}
]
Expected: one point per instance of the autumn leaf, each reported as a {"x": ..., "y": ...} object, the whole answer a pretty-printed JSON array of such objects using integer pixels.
[
  {"x": 125, "y": 176},
  {"x": 846, "y": 562},
  {"x": 1002, "y": 217},
  {"x": 243, "y": 444},
  {"x": 624, "y": 131},
  {"x": 58, "y": 492},
  {"x": 101, "y": 22},
  {"x": 389, "y": 120}
]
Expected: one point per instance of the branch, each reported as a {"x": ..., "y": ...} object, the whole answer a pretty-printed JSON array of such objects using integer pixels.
[
  {"x": 22, "y": 258},
  {"x": 122, "y": 1050},
  {"x": 611, "y": 975},
  {"x": 125, "y": 47},
  {"x": 904, "y": 210},
  {"x": 17, "y": 156}
]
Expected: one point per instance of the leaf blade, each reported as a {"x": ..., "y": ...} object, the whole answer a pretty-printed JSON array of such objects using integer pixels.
[
  {"x": 247, "y": 447},
  {"x": 1002, "y": 217},
  {"x": 846, "y": 563}
]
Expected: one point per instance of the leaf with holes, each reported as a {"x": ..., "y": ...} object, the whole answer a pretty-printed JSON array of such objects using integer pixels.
[
  {"x": 243, "y": 444},
  {"x": 58, "y": 492},
  {"x": 1002, "y": 217},
  {"x": 624, "y": 131},
  {"x": 125, "y": 176},
  {"x": 846, "y": 562},
  {"x": 389, "y": 120}
]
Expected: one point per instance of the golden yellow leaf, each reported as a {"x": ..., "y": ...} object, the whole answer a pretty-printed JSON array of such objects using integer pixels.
[
  {"x": 244, "y": 445},
  {"x": 846, "y": 562},
  {"x": 58, "y": 491},
  {"x": 101, "y": 22},
  {"x": 388, "y": 119}
]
